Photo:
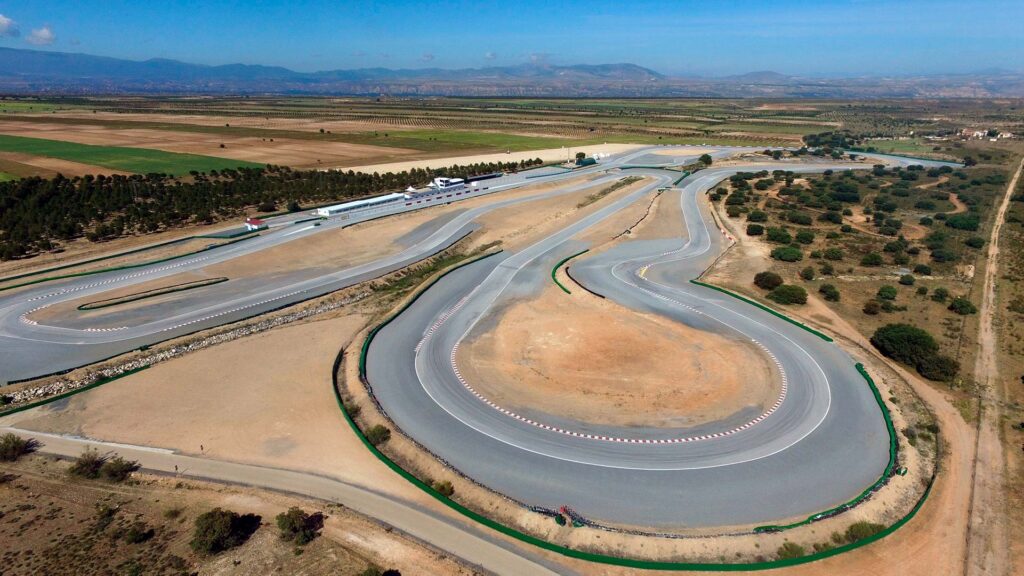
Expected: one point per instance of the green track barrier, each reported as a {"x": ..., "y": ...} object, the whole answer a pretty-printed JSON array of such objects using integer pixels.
[
  {"x": 127, "y": 266},
  {"x": 304, "y": 220},
  {"x": 69, "y": 393},
  {"x": 821, "y": 335},
  {"x": 559, "y": 265},
  {"x": 591, "y": 556},
  {"x": 686, "y": 173},
  {"x": 238, "y": 234},
  {"x": 169, "y": 290},
  {"x": 893, "y": 448}
]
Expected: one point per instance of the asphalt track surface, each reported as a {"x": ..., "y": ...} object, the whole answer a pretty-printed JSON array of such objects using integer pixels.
[
  {"x": 29, "y": 349},
  {"x": 821, "y": 444}
]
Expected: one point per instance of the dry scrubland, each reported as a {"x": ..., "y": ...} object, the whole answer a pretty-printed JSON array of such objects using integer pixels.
[{"x": 51, "y": 524}]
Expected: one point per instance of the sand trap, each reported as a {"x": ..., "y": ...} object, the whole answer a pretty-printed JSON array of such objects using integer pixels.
[{"x": 594, "y": 361}]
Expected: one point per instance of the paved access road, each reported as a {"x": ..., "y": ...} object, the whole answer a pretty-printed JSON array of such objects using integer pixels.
[
  {"x": 29, "y": 348},
  {"x": 820, "y": 444},
  {"x": 464, "y": 542}
]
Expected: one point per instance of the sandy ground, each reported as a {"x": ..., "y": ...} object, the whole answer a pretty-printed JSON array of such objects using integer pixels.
[
  {"x": 265, "y": 399},
  {"x": 65, "y": 167},
  {"x": 588, "y": 359},
  {"x": 283, "y": 151},
  {"x": 547, "y": 155}
]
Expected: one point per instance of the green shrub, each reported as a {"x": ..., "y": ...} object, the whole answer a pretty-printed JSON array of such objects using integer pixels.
[
  {"x": 922, "y": 290},
  {"x": 872, "y": 307},
  {"x": 940, "y": 294},
  {"x": 807, "y": 273},
  {"x": 829, "y": 292},
  {"x": 118, "y": 469},
  {"x": 939, "y": 368},
  {"x": 887, "y": 293},
  {"x": 965, "y": 221},
  {"x": 778, "y": 235},
  {"x": 787, "y": 254},
  {"x": 846, "y": 228},
  {"x": 757, "y": 216},
  {"x": 13, "y": 447},
  {"x": 378, "y": 434},
  {"x": 861, "y": 530},
  {"x": 732, "y": 211},
  {"x": 801, "y": 218},
  {"x": 827, "y": 269},
  {"x": 833, "y": 254},
  {"x": 871, "y": 259},
  {"x": 923, "y": 270},
  {"x": 962, "y": 306},
  {"x": 788, "y": 294},
  {"x": 755, "y": 230},
  {"x": 790, "y": 550},
  {"x": 905, "y": 343},
  {"x": 907, "y": 280},
  {"x": 444, "y": 488},
  {"x": 298, "y": 526},
  {"x": 88, "y": 465},
  {"x": 219, "y": 530},
  {"x": 975, "y": 242},
  {"x": 767, "y": 280},
  {"x": 805, "y": 236}
]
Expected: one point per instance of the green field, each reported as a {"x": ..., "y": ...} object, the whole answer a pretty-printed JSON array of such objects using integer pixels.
[
  {"x": 139, "y": 160},
  {"x": 4, "y": 177},
  {"x": 914, "y": 146}
]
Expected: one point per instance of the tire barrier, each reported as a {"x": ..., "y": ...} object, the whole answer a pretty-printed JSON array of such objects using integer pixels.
[
  {"x": 559, "y": 265},
  {"x": 70, "y": 393},
  {"x": 771, "y": 311},
  {"x": 618, "y": 560}
]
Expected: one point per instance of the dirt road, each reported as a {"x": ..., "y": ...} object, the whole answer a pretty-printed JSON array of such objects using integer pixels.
[{"x": 986, "y": 531}]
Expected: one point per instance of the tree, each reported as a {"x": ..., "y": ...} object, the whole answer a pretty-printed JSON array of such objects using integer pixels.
[
  {"x": 757, "y": 216},
  {"x": 805, "y": 236},
  {"x": 962, "y": 306},
  {"x": 755, "y": 230},
  {"x": 580, "y": 156},
  {"x": 829, "y": 292},
  {"x": 887, "y": 293},
  {"x": 767, "y": 280},
  {"x": 788, "y": 294},
  {"x": 872, "y": 308},
  {"x": 378, "y": 434},
  {"x": 833, "y": 254},
  {"x": 13, "y": 447},
  {"x": 975, "y": 242},
  {"x": 807, "y": 273},
  {"x": 871, "y": 259},
  {"x": 907, "y": 280},
  {"x": 940, "y": 294},
  {"x": 964, "y": 221},
  {"x": 705, "y": 159},
  {"x": 298, "y": 526},
  {"x": 787, "y": 254},
  {"x": 923, "y": 270},
  {"x": 219, "y": 530},
  {"x": 904, "y": 342}
]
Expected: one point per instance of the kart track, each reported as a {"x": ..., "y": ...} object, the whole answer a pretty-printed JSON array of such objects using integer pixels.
[{"x": 820, "y": 443}]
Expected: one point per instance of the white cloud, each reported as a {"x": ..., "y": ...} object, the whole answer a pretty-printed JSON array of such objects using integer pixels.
[
  {"x": 490, "y": 55},
  {"x": 8, "y": 27},
  {"x": 428, "y": 57},
  {"x": 41, "y": 36}
]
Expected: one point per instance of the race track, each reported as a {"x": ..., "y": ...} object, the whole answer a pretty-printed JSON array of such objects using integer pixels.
[{"x": 822, "y": 442}]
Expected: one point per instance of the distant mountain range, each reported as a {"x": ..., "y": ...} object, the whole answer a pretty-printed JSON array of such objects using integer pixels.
[{"x": 44, "y": 72}]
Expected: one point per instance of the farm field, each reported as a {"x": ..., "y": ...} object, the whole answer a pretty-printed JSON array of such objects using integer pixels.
[{"x": 118, "y": 158}]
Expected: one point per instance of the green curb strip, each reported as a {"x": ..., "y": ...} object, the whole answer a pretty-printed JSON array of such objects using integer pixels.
[
  {"x": 151, "y": 294},
  {"x": 69, "y": 393},
  {"x": 579, "y": 554},
  {"x": 893, "y": 449},
  {"x": 559, "y": 265},
  {"x": 765, "y": 308}
]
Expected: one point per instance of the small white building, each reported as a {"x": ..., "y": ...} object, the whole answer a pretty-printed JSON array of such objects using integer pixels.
[{"x": 254, "y": 224}]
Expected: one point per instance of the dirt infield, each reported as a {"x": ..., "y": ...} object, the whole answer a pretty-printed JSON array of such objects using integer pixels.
[{"x": 593, "y": 361}]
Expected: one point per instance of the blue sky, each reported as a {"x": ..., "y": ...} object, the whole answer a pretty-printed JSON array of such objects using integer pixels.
[{"x": 682, "y": 37}]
